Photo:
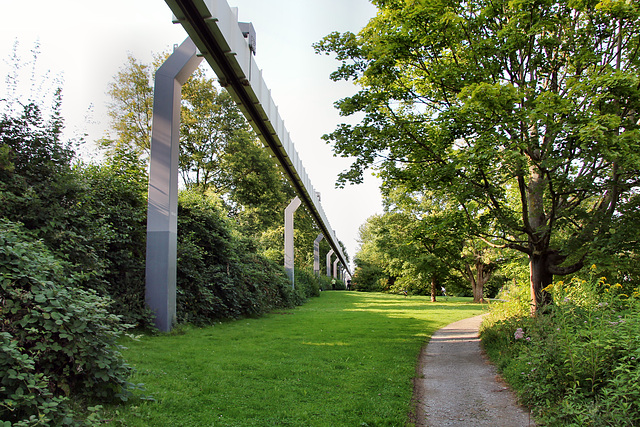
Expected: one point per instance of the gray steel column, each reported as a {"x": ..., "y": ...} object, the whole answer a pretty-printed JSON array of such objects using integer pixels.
[
  {"x": 288, "y": 238},
  {"x": 329, "y": 262},
  {"x": 162, "y": 216},
  {"x": 316, "y": 254},
  {"x": 335, "y": 268}
]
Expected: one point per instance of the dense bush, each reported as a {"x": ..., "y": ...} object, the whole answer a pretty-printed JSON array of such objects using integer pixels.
[
  {"x": 307, "y": 283},
  {"x": 93, "y": 217},
  {"x": 576, "y": 363},
  {"x": 324, "y": 282},
  {"x": 220, "y": 274},
  {"x": 114, "y": 207},
  {"x": 57, "y": 339},
  {"x": 368, "y": 277}
]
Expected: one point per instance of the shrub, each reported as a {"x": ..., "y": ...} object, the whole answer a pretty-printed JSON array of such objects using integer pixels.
[
  {"x": 338, "y": 285},
  {"x": 114, "y": 219},
  {"x": 94, "y": 217},
  {"x": 368, "y": 276},
  {"x": 220, "y": 273},
  {"x": 307, "y": 282},
  {"x": 57, "y": 340},
  {"x": 324, "y": 282},
  {"x": 575, "y": 363}
]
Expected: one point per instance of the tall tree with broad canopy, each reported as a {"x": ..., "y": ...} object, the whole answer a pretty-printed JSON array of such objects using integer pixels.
[{"x": 478, "y": 99}]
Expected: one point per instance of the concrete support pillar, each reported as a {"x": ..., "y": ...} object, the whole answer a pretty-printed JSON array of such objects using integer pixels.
[
  {"x": 329, "y": 262},
  {"x": 288, "y": 238},
  {"x": 335, "y": 268},
  {"x": 162, "y": 217},
  {"x": 316, "y": 254}
]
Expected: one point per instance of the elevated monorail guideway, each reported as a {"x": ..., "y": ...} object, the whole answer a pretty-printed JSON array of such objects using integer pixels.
[
  {"x": 213, "y": 26},
  {"x": 228, "y": 47}
]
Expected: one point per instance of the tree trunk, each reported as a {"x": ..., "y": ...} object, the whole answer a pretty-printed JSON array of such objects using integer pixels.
[
  {"x": 433, "y": 288},
  {"x": 477, "y": 279},
  {"x": 539, "y": 277},
  {"x": 478, "y": 284}
]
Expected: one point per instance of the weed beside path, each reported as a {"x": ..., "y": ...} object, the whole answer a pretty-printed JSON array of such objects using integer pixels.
[{"x": 344, "y": 358}]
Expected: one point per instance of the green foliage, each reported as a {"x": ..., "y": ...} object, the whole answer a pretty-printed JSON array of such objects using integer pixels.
[
  {"x": 94, "y": 217},
  {"x": 307, "y": 283},
  {"x": 338, "y": 285},
  {"x": 220, "y": 275},
  {"x": 578, "y": 364},
  {"x": 402, "y": 251},
  {"x": 220, "y": 152},
  {"x": 114, "y": 218},
  {"x": 523, "y": 115},
  {"x": 367, "y": 276},
  {"x": 57, "y": 339},
  {"x": 131, "y": 108},
  {"x": 38, "y": 186},
  {"x": 324, "y": 282}
]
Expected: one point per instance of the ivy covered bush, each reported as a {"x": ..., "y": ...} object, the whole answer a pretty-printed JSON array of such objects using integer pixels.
[{"x": 57, "y": 339}]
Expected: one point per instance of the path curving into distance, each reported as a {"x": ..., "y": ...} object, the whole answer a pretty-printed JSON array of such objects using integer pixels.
[{"x": 457, "y": 386}]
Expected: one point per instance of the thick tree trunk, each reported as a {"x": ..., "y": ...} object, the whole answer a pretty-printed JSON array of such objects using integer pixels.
[
  {"x": 539, "y": 275},
  {"x": 433, "y": 288},
  {"x": 539, "y": 278},
  {"x": 542, "y": 268},
  {"x": 477, "y": 279}
]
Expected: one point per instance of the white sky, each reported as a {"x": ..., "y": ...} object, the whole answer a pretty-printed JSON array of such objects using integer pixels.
[{"x": 87, "y": 41}]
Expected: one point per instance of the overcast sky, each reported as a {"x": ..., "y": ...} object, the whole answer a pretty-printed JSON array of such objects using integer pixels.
[{"x": 85, "y": 42}]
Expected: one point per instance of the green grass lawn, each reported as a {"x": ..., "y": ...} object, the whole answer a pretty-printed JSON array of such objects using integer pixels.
[{"x": 343, "y": 359}]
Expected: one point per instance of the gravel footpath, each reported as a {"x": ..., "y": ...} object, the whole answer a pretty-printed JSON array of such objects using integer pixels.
[{"x": 457, "y": 386}]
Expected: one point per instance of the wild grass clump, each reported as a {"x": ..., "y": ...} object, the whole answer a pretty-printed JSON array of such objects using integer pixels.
[{"x": 576, "y": 363}]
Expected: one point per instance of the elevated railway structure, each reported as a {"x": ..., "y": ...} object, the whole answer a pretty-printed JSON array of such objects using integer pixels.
[{"x": 229, "y": 48}]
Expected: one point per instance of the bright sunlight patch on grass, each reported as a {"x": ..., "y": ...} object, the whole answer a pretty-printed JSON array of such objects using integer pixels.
[{"x": 342, "y": 359}]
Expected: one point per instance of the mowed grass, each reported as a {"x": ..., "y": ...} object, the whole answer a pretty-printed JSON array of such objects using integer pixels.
[{"x": 343, "y": 359}]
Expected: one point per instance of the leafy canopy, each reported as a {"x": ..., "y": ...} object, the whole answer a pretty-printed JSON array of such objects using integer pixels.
[{"x": 526, "y": 110}]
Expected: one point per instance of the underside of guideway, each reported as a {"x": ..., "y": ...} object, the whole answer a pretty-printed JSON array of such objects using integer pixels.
[{"x": 214, "y": 28}]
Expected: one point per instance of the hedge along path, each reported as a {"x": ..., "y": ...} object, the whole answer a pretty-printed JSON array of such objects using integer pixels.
[{"x": 345, "y": 358}]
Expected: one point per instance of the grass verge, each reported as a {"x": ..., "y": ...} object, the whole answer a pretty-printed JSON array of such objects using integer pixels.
[{"x": 343, "y": 359}]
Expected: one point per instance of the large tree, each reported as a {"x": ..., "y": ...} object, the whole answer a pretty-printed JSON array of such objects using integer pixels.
[
  {"x": 131, "y": 108},
  {"x": 218, "y": 150},
  {"x": 441, "y": 228},
  {"x": 480, "y": 100}
]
